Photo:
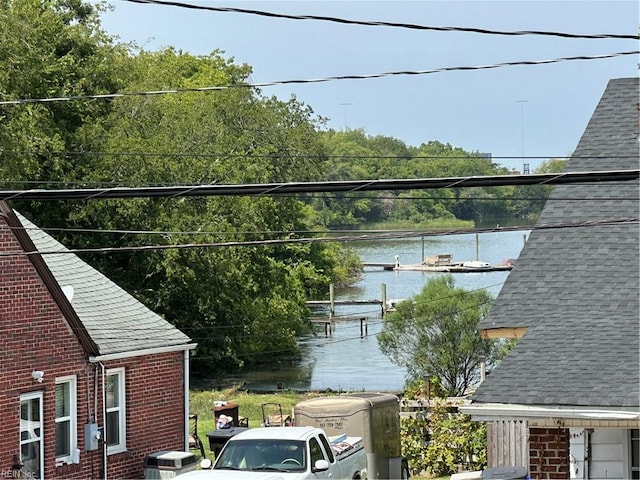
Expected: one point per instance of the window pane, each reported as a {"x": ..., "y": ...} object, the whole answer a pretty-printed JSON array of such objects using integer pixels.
[
  {"x": 30, "y": 410},
  {"x": 113, "y": 428},
  {"x": 63, "y": 436},
  {"x": 113, "y": 391},
  {"x": 29, "y": 451},
  {"x": 63, "y": 399}
]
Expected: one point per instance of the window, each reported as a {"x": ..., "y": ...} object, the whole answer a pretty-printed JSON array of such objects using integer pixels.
[
  {"x": 115, "y": 425},
  {"x": 66, "y": 429},
  {"x": 31, "y": 437},
  {"x": 327, "y": 448},
  {"x": 635, "y": 453},
  {"x": 316, "y": 452}
]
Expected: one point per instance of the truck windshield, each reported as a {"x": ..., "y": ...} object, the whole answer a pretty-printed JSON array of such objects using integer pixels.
[{"x": 280, "y": 455}]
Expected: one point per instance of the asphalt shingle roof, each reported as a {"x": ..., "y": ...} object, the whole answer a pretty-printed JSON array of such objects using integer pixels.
[
  {"x": 577, "y": 289},
  {"x": 114, "y": 319}
]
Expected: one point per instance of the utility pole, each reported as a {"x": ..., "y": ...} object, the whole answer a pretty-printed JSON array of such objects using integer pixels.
[
  {"x": 525, "y": 166},
  {"x": 345, "y": 114}
]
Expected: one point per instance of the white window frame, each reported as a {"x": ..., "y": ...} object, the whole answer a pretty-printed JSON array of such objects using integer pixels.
[
  {"x": 121, "y": 446},
  {"x": 72, "y": 418},
  {"x": 39, "y": 435}
]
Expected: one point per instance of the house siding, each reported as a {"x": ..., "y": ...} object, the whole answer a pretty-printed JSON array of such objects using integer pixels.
[
  {"x": 34, "y": 335},
  {"x": 549, "y": 453},
  {"x": 607, "y": 454}
]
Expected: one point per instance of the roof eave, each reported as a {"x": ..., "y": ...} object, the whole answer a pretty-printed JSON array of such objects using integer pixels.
[
  {"x": 140, "y": 353},
  {"x": 554, "y": 415}
]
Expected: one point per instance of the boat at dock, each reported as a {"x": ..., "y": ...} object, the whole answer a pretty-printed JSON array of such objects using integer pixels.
[
  {"x": 444, "y": 263},
  {"x": 477, "y": 264}
]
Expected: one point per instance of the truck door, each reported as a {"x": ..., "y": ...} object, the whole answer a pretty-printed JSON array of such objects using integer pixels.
[{"x": 316, "y": 452}]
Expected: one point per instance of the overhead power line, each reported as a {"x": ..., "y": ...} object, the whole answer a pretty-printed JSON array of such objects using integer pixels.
[
  {"x": 333, "y": 239},
  {"x": 409, "y": 26},
  {"x": 312, "y": 80},
  {"x": 263, "y": 189}
]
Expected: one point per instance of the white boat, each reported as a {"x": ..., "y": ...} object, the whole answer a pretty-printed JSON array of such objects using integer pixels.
[
  {"x": 476, "y": 264},
  {"x": 392, "y": 303}
]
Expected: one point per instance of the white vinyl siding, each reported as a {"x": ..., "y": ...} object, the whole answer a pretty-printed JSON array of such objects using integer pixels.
[{"x": 611, "y": 454}]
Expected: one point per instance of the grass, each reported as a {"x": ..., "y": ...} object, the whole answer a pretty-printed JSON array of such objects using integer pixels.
[{"x": 250, "y": 407}]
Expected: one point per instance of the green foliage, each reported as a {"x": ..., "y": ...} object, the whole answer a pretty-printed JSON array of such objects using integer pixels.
[
  {"x": 435, "y": 335},
  {"x": 528, "y": 200},
  {"x": 352, "y": 155},
  {"x": 457, "y": 442},
  {"x": 441, "y": 440},
  {"x": 242, "y": 305},
  {"x": 414, "y": 439},
  {"x": 236, "y": 302}
]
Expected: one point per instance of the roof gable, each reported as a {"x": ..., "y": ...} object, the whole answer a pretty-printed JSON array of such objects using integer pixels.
[
  {"x": 112, "y": 320},
  {"x": 576, "y": 290}
]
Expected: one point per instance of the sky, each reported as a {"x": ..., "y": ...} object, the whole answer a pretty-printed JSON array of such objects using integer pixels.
[{"x": 510, "y": 112}]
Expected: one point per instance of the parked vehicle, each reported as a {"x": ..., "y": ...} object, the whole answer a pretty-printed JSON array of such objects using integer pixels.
[
  {"x": 375, "y": 417},
  {"x": 287, "y": 453}
]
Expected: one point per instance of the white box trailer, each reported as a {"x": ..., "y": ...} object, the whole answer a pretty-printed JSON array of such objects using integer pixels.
[{"x": 373, "y": 416}]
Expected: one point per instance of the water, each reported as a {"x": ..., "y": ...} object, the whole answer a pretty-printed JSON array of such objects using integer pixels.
[{"x": 347, "y": 361}]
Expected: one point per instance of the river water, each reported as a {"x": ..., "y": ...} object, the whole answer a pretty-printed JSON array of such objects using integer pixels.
[{"x": 347, "y": 361}]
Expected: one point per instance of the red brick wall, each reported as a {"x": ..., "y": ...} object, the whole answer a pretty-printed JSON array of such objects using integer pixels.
[
  {"x": 548, "y": 453},
  {"x": 35, "y": 336}
]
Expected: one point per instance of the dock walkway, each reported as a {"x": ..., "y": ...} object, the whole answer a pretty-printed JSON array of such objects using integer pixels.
[{"x": 447, "y": 268}]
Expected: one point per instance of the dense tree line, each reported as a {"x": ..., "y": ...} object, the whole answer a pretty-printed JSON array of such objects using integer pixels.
[{"x": 241, "y": 304}]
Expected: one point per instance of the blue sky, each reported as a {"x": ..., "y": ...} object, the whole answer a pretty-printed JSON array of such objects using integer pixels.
[{"x": 539, "y": 110}]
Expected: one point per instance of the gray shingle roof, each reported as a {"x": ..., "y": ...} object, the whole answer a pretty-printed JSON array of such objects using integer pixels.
[
  {"x": 577, "y": 289},
  {"x": 114, "y": 319}
]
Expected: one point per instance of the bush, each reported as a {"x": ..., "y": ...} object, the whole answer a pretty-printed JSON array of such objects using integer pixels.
[{"x": 442, "y": 441}]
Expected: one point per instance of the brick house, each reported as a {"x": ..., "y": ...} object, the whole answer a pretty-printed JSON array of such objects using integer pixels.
[
  {"x": 81, "y": 358},
  {"x": 565, "y": 402}
]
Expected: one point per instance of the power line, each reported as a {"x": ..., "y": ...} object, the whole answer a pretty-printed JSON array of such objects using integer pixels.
[
  {"x": 324, "y": 186},
  {"x": 333, "y": 239},
  {"x": 330, "y": 232},
  {"x": 386, "y": 24},
  {"x": 23, "y": 101}
]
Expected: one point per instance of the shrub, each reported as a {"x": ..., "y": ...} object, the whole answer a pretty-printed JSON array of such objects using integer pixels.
[{"x": 442, "y": 440}]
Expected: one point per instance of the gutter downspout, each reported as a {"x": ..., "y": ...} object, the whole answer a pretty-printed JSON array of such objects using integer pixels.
[
  {"x": 187, "y": 426},
  {"x": 587, "y": 461},
  {"x": 104, "y": 421}
]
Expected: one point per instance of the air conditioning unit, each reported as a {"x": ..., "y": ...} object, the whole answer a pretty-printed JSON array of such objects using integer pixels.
[{"x": 168, "y": 464}]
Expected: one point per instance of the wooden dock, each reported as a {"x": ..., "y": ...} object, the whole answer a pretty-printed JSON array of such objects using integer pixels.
[
  {"x": 444, "y": 268},
  {"x": 454, "y": 268},
  {"x": 330, "y": 324},
  {"x": 384, "y": 266},
  {"x": 328, "y": 303}
]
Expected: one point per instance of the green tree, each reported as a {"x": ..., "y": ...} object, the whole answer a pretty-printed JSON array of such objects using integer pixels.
[
  {"x": 242, "y": 304},
  {"x": 435, "y": 334},
  {"x": 529, "y": 200}
]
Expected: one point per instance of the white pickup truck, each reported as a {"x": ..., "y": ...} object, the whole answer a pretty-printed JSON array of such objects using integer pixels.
[{"x": 287, "y": 453}]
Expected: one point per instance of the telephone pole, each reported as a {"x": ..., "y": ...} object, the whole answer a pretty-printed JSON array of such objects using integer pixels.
[
  {"x": 525, "y": 165},
  {"x": 345, "y": 114}
]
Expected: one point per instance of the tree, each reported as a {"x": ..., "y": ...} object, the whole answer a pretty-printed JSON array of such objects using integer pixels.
[
  {"x": 242, "y": 304},
  {"x": 435, "y": 334},
  {"x": 528, "y": 200}
]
